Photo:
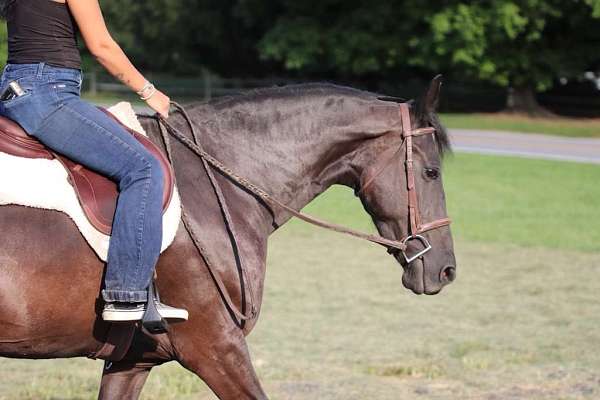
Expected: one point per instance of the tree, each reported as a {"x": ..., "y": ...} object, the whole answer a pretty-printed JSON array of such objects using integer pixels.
[
  {"x": 519, "y": 44},
  {"x": 523, "y": 45},
  {"x": 349, "y": 38},
  {"x": 181, "y": 36}
]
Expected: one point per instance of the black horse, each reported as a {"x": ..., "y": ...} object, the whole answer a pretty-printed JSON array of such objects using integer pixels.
[{"x": 294, "y": 142}]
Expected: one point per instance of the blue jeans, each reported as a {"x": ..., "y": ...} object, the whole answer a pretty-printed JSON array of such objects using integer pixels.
[{"x": 53, "y": 112}]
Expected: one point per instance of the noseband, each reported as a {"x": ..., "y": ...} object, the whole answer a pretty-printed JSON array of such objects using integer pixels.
[{"x": 416, "y": 227}]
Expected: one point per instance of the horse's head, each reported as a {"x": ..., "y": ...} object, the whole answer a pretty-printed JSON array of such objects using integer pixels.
[{"x": 416, "y": 216}]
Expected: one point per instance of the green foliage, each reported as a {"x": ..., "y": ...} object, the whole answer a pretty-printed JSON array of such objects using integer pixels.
[
  {"x": 350, "y": 38},
  {"x": 523, "y": 43},
  {"x": 179, "y": 36},
  {"x": 3, "y": 43},
  {"x": 595, "y": 4},
  {"x": 506, "y": 42},
  {"x": 147, "y": 30}
]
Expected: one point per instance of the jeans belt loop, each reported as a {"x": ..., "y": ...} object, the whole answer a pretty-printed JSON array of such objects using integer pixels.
[{"x": 40, "y": 69}]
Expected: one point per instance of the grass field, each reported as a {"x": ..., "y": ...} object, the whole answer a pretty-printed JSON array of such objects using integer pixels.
[
  {"x": 520, "y": 322},
  {"x": 574, "y": 127},
  {"x": 113, "y": 98}
]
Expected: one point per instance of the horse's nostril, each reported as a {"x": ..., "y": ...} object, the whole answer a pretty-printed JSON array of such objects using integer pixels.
[{"x": 448, "y": 274}]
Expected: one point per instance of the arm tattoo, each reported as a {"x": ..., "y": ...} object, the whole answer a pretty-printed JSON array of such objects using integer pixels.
[{"x": 121, "y": 77}]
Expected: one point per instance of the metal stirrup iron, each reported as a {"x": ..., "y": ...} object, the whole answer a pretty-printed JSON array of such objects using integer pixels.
[{"x": 152, "y": 320}]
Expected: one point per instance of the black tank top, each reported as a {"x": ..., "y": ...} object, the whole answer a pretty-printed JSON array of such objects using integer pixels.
[{"x": 42, "y": 30}]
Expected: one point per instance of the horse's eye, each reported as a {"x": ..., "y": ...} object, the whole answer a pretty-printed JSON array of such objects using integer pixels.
[{"x": 432, "y": 173}]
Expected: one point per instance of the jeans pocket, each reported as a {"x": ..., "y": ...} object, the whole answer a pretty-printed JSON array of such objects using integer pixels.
[
  {"x": 30, "y": 109},
  {"x": 25, "y": 83},
  {"x": 8, "y": 104}
]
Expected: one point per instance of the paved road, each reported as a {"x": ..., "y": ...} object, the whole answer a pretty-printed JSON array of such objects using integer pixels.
[{"x": 526, "y": 145}]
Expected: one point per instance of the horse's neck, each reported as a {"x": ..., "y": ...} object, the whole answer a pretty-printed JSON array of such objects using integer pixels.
[
  {"x": 292, "y": 151},
  {"x": 292, "y": 154}
]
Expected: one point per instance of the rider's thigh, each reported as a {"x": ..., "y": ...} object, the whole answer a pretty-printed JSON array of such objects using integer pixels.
[
  {"x": 52, "y": 111},
  {"x": 85, "y": 134}
]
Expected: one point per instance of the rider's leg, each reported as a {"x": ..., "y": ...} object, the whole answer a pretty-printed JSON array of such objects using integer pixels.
[
  {"x": 80, "y": 131},
  {"x": 136, "y": 235}
]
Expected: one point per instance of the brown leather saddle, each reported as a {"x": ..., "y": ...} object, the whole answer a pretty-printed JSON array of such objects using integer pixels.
[{"x": 96, "y": 193}]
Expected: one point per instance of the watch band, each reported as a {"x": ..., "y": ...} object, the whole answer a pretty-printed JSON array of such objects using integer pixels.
[{"x": 147, "y": 86}]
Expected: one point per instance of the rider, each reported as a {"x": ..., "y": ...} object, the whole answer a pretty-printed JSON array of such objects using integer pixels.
[{"x": 44, "y": 61}]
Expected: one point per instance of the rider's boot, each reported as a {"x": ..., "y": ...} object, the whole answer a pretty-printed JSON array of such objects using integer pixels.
[{"x": 153, "y": 313}]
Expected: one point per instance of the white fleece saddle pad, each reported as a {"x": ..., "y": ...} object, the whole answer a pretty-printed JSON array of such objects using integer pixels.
[{"x": 42, "y": 183}]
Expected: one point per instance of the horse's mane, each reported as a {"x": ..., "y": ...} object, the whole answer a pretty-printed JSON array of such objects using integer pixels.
[
  {"x": 287, "y": 91},
  {"x": 306, "y": 90}
]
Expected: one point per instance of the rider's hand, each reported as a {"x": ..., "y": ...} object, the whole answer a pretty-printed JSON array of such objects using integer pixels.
[{"x": 159, "y": 102}]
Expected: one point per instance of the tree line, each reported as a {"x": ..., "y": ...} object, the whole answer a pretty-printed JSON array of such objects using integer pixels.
[{"x": 522, "y": 44}]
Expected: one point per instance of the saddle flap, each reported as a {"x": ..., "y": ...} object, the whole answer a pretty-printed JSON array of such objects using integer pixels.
[{"x": 14, "y": 140}]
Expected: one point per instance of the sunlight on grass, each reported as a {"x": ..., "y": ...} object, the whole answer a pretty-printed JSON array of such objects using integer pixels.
[
  {"x": 103, "y": 98},
  {"x": 515, "y": 123},
  {"x": 502, "y": 200},
  {"x": 520, "y": 322},
  {"x": 525, "y": 202}
]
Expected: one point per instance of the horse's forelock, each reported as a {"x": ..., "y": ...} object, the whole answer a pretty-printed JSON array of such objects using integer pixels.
[
  {"x": 441, "y": 133},
  {"x": 427, "y": 119}
]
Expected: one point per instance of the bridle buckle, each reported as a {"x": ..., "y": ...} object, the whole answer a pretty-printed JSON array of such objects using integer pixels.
[{"x": 424, "y": 242}]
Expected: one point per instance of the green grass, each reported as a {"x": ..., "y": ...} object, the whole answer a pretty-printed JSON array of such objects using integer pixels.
[
  {"x": 113, "y": 98},
  {"x": 337, "y": 324},
  {"x": 504, "y": 200},
  {"x": 515, "y": 123},
  {"x": 520, "y": 322},
  {"x": 109, "y": 98},
  {"x": 525, "y": 202}
]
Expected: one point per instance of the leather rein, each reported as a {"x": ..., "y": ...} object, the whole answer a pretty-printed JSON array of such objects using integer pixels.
[{"x": 416, "y": 227}]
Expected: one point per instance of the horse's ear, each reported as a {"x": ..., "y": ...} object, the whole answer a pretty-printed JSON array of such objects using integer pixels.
[{"x": 430, "y": 100}]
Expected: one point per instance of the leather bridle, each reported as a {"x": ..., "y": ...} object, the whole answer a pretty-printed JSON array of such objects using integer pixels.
[
  {"x": 193, "y": 144},
  {"x": 416, "y": 227}
]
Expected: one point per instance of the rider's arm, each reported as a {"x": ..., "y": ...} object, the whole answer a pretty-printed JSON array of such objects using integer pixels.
[{"x": 100, "y": 43}]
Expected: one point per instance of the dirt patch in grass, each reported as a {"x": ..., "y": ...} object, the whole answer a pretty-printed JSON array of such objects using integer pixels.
[
  {"x": 518, "y": 323},
  {"x": 484, "y": 337}
]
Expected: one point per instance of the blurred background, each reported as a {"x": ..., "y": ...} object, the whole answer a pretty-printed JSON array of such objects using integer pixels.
[
  {"x": 495, "y": 55},
  {"x": 521, "y": 99}
]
